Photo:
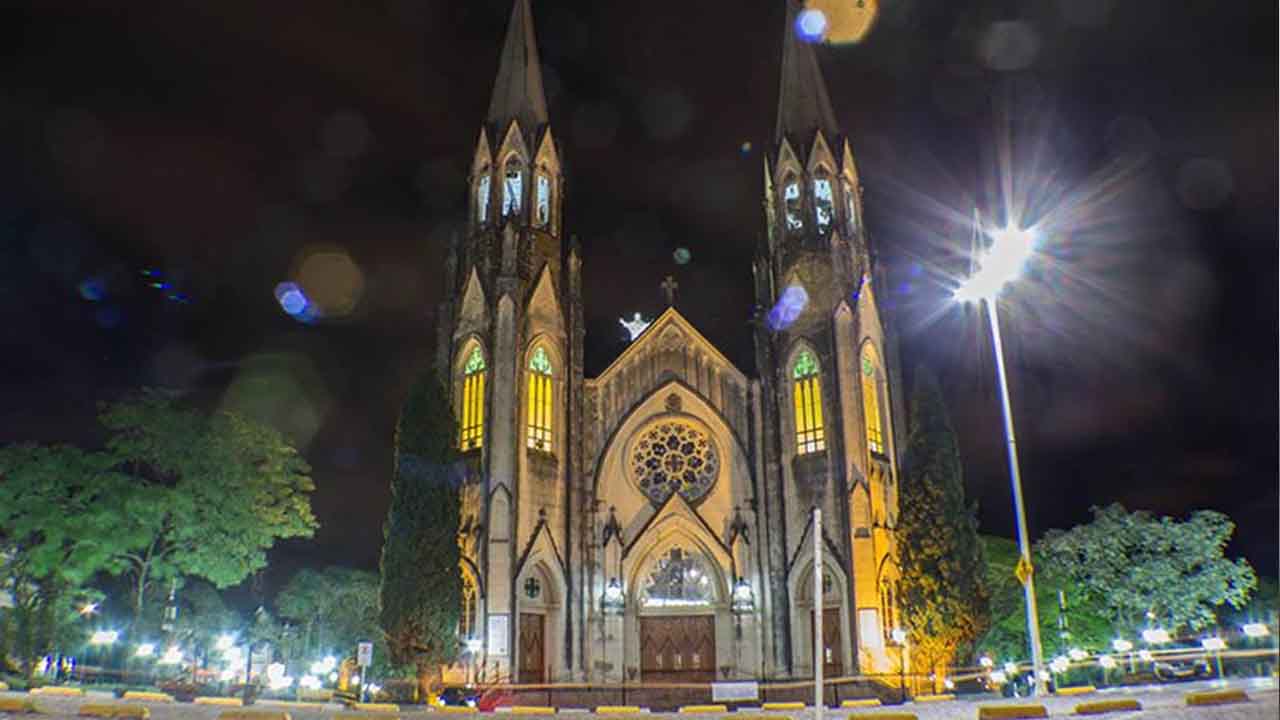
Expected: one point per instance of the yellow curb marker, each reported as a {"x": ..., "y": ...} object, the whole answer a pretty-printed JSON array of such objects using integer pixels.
[
  {"x": 1217, "y": 697},
  {"x": 532, "y": 710},
  {"x": 102, "y": 710},
  {"x": 862, "y": 702},
  {"x": 1099, "y": 707},
  {"x": 359, "y": 716},
  {"x": 17, "y": 705},
  {"x": 943, "y": 697},
  {"x": 148, "y": 696},
  {"x": 703, "y": 709},
  {"x": 618, "y": 710},
  {"x": 376, "y": 707},
  {"x": 4, "y": 686},
  {"x": 783, "y": 706},
  {"x": 253, "y": 715},
  {"x": 458, "y": 709},
  {"x": 1005, "y": 712},
  {"x": 1077, "y": 690},
  {"x": 56, "y": 691},
  {"x": 226, "y": 701},
  {"x": 885, "y": 716}
]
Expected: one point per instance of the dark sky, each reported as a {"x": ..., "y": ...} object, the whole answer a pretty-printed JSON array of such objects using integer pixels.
[{"x": 219, "y": 143}]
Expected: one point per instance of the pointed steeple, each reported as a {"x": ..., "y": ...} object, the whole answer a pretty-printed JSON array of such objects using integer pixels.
[
  {"x": 803, "y": 104},
  {"x": 517, "y": 93}
]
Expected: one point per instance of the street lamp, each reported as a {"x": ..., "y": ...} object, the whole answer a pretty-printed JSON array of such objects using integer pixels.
[
  {"x": 744, "y": 599},
  {"x": 900, "y": 639},
  {"x": 613, "y": 601},
  {"x": 1010, "y": 250}
]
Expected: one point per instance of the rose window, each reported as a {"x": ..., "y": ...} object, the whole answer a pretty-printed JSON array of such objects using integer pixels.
[{"x": 671, "y": 458}]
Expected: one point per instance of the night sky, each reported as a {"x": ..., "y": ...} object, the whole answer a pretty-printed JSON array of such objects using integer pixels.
[{"x": 217, "y": 145}]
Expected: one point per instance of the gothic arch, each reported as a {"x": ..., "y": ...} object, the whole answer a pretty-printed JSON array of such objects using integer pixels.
[{"x": 670, "y": 532}]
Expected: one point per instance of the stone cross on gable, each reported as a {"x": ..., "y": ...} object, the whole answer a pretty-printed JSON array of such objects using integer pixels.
[{"x": 669, "y": 287}]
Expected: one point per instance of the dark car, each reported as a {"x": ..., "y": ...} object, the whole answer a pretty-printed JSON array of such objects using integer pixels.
[{"x": 1190, "y": 663}]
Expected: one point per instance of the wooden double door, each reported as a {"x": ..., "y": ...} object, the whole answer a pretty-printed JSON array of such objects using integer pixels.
[
  {"x": 533, "y": 648},
  {"x": 678, "y": 648},
  {"x": 832, "y": 645}
]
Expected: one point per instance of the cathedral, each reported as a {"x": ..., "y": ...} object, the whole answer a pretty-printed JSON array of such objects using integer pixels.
[{"x": 654, "y": 524}]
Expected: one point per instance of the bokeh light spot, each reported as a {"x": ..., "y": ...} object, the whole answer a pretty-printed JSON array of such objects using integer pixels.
[
  {"x": 848, "y": 21},
  {"x": 745, "y": 148},
  {"x": 291, "y": 298},
  {"x": 283, "y": 390},
  {"x": 682, "y": 256},
  {"x": 91, "y": 289},
  {"x": 811, "y": 25},
  {"x": 791, "y": 303},
  {"x": 1009, "y": 45},
  {"x": 1204, "y": 183},
  {"x": 331, "y": 281}
]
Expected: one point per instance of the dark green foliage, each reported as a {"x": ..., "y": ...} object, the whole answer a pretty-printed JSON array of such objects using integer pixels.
[
  {"x": 1137, "y": 563},
  {"x": 1086, "y": 618},
  {"x": 332, "y": 610},
  {"x": 421, "y": 593},
  {"x": 943, "y": 596}
]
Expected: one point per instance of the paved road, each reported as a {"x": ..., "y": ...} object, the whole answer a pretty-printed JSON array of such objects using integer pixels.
[{"x": 1162, "y": 701}]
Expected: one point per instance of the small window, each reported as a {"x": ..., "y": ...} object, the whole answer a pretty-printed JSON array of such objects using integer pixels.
[
  {"x": 849, "y": 211},
  {"x": 540, "y": 403},
  {"x": 791, "y": 199},
  {"x": 543, "y": 215},
  {"x": 823, "y": 203},
  {"x": 871, "y": 401},
  {"x": 482, "y": 199},
  {"x": 470, "y": 606},
  {"x": 807, "y": 389},
  {"x": 512, "y": 188},
  {"x": 472, "y": 430}
]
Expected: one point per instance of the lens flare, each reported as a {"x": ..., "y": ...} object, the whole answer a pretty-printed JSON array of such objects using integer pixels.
[
  {"x": 811, "y": 25},
  {"x": 790, "y": 304}
]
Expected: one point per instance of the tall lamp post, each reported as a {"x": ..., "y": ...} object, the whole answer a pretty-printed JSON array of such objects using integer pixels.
[
  {"x": 1001, "y": 264},
  {"x": 900, "y": 639}
]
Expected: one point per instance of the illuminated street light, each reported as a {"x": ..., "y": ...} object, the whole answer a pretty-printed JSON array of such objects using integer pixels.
[
  {"x": 1011, "y": 668},
  {"x": 172, "y": 656},
  {"x": 1010, "y": 250},
  {"x": 225, "y": 642},
  {"x": 986, "y": 662},
  {"x": 88, "y": 609},
  {"x": 1076, "y": 654},
  {"x": 1121, "y": 645},
  {"x": 103, "y": 637},
  {"x": 1155, "y": 636},
  {"x": 1145, "y": 656},
  {"x": 1256, "y": 630},
  {"x": 145, "y": 650},
  {"x": 1107, "y": 662}
]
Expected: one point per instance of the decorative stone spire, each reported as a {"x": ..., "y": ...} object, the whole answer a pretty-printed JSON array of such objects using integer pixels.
[
  {"x": 517, "y": 93},
  {"x": 803, "y": 104}
]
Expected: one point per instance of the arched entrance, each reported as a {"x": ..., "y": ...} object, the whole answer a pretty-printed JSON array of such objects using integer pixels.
[
  {"x": 538, "y": 623},
  {"x": 835, "y": 630},
  {"x": 677, "y": 618}
]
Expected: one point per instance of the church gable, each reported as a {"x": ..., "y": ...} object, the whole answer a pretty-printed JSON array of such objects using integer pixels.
[
  {"x": 543, "y": 313},
  {"x": 473, "y": 313},
  {"x": 483, "y": 158}
]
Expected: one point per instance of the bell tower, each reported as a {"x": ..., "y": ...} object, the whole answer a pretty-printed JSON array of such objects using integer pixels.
[
  {"x": 510, "y": 337},
  {"x": 812, "y": 282}
]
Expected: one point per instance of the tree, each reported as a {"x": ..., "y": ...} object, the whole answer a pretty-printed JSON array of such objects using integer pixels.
[
  {"x": 942, "y": 596},
  {"x": 1148, "y": 569},
  {"x": 334, "y": 609},
  {"x": 211, "y": 493},
  {"x": 59, "y": 508},
  {"x": 1085, "y": 617},
  {"x": 421, "y": 594}
]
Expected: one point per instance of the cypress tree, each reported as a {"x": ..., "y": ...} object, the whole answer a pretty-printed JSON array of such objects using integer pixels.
[
  {"x": 943, "y": 594},
  {"x": 421, "y": 591}
]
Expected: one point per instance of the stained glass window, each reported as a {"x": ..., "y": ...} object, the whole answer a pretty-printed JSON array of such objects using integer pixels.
[
  {"x": 482, "y": 199},
  {"x": 544, "y": 200},
  {"x": 473, "y": 372},
  {"x": 540, "y": 403},
  {"x": 791, "y": 199},
  {"x": 513, "y": 188},
  {"x": 674, "y": 457},
  {"x": 871, "y": 401},
  {"x": 470, "y": 606},
  {"x": 823, "y": 203},
  {"x": 679, "y": 579},
  {"x": 849, "y": 209},
  {"x": 807, "y": 391}
]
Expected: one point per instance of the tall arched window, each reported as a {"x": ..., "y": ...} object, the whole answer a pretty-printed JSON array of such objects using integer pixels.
[
  {"x": 542, "y": 214},
  {"x": 512, "y": 187},
  {"x": 540, "y": 404},
  {"x": 810, "y": 432},
  {"x": 791, "y": 203},
  {"x": 482, "y": 198},
  {"x": 823, "y": 203},
  {"x": 472, "y": 436},
  {"x": 470, "y": 606},
  {"x": 849, "y": 210},
  {"x": 871, "y": 401}
]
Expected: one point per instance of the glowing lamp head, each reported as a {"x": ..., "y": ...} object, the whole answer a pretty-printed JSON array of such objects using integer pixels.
[
  {"x": 1060, "y": 664},
  {"x": 1107, "y": 662},
  {"x": 1154, "y": 636},
  {"x": 172, "y": 656},
  {"x": 1121, "y": 645},
  {"x": 986, "y": 662},
  {"x": 1010, "y": 250},
  {"x": 1076, "y": 654},
  {"x": 1011, "y": 668},
  {"x": 899, "y": 636},
  {"x": 1213, "y": 643},
  {"x": 225, "y": 642},
  {"x": 811, "y": 25},
  {"x": 103, "y": 637},
  {"x": 1256, "y": 630},
  {"x": 1145, "y": 656},
  {"x": 145, "y": 650}
]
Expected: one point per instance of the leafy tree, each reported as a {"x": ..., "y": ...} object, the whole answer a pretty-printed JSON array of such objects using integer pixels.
[
  {"x": 334, "y": 609},
  {"x": 943, "y": 597},
  {"x": 203, "y": 617},
  {"x": 421, "y": 594},
  {"x": 1146, "y": 568},
  {"x": 211, "y": 494},
  {"x": 58, "y": 509},
  {"x": 1086, "y": 618}
]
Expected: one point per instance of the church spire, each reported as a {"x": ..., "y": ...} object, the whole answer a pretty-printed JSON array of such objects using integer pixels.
[
  {"x": 517, "y": 93},
  {"x": 803, "y": 104}
]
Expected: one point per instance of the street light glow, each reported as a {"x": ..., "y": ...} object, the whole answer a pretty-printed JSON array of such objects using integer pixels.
[
  {"x": 172, "y": 656},
  {"x": 103, "y": 637},
  {"x": 1256, "y": 630},
  {"x": 1155, "y": 636},
  {"x": 88, "y": 608},
  {"x": 1010, "y": 250},
  {"x": 1213, "y": 643},
  {"x": 1107, "y": 662},
  {"x": 225, "y": 642},
  {"x": 899, "y": 636},
  {"x": 145, "y": 650},
  {"x": 1121, "y": 645}
]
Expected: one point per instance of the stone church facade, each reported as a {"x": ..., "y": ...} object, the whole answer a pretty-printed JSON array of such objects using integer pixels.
[{"x": 654, "y": 523}]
